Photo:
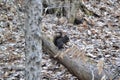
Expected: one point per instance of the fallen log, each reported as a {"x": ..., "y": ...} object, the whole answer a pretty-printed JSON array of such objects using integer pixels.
[{"x": 76, "y": 62}]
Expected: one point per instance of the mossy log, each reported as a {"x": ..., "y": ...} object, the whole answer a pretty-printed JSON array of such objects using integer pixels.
[{"x": 72, "y": 59}]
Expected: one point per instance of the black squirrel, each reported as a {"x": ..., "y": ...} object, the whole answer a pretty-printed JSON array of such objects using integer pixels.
[
  {"x": 60, "y": 40},
  {"x": 78, "y": 21}
]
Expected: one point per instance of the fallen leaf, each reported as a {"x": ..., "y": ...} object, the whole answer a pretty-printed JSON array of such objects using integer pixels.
[{"x": 100, "y": 65}]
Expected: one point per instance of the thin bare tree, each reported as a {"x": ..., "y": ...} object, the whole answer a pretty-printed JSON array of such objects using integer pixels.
[{"x": 33, "y": 44}]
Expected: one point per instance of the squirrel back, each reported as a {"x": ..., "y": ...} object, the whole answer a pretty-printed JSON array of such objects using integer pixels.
[{"x": 60, "y": 40}]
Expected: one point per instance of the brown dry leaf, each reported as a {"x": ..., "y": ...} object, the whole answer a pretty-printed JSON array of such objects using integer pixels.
[
  {"x": 19, "y": 2},
  {"x": 93, "y": 31},
  {"x": 10, "y": 48},
  {"x": 11, "y": 40},
  {"x": 6, "y": 74},
  {"x": 109, "y": 23},
  {"x": 92, "y": 22},
  {"x": 85, "y": 25},
  {"x": 85, "y": 0},
  {"x": 100, "y": 65},
  {"x": 12, "y": 58},
  {"x": 62, "y": 20},
  {"x": 4, "y": 17},
  {"x": 1, "y": 4},
  {"x": 70, "y": 24},
  {"x": 7, "y": 35},
  {"x": 10, "y": 18}
]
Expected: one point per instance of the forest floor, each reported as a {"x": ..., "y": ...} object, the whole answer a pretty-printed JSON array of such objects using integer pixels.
[{"x": 98, "y": 38}]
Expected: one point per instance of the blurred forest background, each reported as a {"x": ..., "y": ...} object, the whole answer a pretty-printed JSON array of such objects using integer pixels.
[{"x": 92, "y": 25}]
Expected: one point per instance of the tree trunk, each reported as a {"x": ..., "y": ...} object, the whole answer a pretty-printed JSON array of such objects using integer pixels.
[
  {"x": 33, "y": 44},
  {"x": 76, "y": 63}
]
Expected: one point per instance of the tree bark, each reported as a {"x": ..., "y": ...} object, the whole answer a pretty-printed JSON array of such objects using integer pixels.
[
  {"x": 33, "y": 44},
  {"x": 73, "y": 8},
  {"x": 77, "y": 65}
]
